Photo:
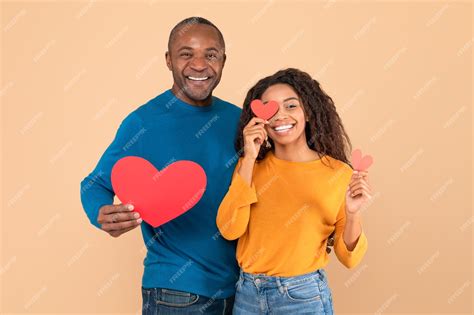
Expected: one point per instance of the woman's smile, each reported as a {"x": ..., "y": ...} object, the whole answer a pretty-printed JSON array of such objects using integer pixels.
[{"x": 283, "y": 129}]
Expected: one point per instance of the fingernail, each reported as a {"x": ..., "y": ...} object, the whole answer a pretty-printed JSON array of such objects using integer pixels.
[
  {"x": 139, "y": 220},
  {"x": 130, "y": 207},
  {"x": 136, "y": 215},
  {"x": 356, "y": 172}
]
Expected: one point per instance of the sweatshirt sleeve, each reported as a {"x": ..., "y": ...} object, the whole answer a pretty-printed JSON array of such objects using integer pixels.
[
  {"x": 96, "y": 188},
  {"x": 234, "y": 211},
  {"x": 348, "y": 258}
]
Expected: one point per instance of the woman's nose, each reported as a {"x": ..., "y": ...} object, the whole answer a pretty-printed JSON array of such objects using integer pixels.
[{"x": 280, "y": 114}]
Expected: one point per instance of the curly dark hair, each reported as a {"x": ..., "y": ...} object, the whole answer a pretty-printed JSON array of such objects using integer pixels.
[{"x": 325, "y": 133}]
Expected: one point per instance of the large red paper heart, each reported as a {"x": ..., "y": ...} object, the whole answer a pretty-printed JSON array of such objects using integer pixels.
[
  {"x": 159, "y": 196},
  {"x": 264, "y": 111},
  {"x": 359, "y": 162}
]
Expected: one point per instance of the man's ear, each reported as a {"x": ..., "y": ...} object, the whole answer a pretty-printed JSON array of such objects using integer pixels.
[
  {"x": 223, "y": 61},
  {"x": 168, "y": 60}
]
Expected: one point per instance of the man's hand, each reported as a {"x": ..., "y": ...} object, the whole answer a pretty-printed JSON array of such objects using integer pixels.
[{"x": 118, "y": 219}]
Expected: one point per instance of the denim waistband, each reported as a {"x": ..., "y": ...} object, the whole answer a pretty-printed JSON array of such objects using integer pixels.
[{"x": 319, "y": 274}]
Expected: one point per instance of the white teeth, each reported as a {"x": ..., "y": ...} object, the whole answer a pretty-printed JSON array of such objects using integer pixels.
[
  {"x": 198, "y": 79},
  {"x": 283, "y": 127}
]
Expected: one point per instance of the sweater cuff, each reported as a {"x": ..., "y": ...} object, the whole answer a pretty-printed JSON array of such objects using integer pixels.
[{"x": 359, "y": 249}]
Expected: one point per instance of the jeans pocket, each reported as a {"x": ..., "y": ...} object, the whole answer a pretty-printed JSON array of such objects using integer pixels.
[
  {"x": 303, "y": 291},
  {"x": 176, "y": 298},
  {"x": 147, "y": 295}
]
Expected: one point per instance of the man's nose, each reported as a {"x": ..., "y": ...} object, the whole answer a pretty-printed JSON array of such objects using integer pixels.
[{"x": 198, "y": 64}]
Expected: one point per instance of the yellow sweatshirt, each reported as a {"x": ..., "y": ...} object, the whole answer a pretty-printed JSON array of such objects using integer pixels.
[{"x": 284, "y": 218}]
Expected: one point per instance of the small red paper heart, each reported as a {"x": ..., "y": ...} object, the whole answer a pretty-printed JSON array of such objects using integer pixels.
[
  {"x": 359, "y": 162},
  {"x": 159, "y": 196},
  {"x": 264, "y": 111}
]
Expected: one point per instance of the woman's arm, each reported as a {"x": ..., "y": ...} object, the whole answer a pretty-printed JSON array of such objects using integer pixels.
[
  {"x": 350, "y": 240},
  {"x": 234, "y": 211},
  {"x": 246, "y": 169},
  {"x": 358, "y": 193},
  {"x": 352, "y": 231}
]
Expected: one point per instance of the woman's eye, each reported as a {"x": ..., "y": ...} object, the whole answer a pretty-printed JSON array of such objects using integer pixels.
[{"x": 292, "y": 105}]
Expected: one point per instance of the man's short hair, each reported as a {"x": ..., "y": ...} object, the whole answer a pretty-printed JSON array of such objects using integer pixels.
[{"x": 186, "y": 23}]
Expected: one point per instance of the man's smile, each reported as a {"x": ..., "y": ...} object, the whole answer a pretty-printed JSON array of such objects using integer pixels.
[{"x": 197, "y": 78}]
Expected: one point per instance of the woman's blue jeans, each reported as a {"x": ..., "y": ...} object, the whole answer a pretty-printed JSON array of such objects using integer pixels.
[{"x": 304, "y": 294}]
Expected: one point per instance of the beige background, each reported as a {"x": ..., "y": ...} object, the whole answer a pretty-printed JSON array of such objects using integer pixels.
[{"x": 400, "y": 74}]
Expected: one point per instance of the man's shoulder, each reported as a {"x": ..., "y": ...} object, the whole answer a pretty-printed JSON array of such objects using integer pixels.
[
  {"x": 151, "y": 107},
  {"x": 228, "y": 106}
]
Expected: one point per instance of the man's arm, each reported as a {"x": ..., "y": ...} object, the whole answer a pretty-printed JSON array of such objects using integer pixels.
[{"x": 96, "y": 189}]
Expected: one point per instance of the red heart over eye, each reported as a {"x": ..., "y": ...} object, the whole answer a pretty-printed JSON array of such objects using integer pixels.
[{"x": 264, "y": 111}]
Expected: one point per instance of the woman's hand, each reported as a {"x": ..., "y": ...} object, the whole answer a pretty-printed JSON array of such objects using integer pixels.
[
  {"x": 358, "y": 193},
  {"x": 254, "y": 135}
]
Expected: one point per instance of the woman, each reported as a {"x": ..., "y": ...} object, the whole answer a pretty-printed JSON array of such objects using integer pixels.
[{"x": 288, "y": 196}]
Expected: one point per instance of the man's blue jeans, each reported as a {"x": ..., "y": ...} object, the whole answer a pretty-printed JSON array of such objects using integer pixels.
[
  {"x": 261, "y": 294},
  {"x": 157, "y": 301}
]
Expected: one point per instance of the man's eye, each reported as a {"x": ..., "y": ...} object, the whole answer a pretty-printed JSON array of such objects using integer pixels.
[
  {"x": 185, "y": 54},
  {"x": 212, "y": 56}
]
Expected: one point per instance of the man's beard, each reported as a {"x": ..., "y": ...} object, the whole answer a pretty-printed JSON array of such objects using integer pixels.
[{"x": 199, "y": 95}]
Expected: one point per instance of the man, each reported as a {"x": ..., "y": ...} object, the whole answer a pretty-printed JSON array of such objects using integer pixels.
[{"x": 189, "y": 267}]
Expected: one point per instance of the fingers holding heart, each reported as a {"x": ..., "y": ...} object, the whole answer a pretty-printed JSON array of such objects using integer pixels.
[
  {"x": 119, "y": 217},
  {"x": 360, "y": 175},
  {"x": 256, "y": 132},
  {"x": 360, "y": 191},
  {"x": 358, "y": 185},
  {"x": 119, "y": 226}
]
